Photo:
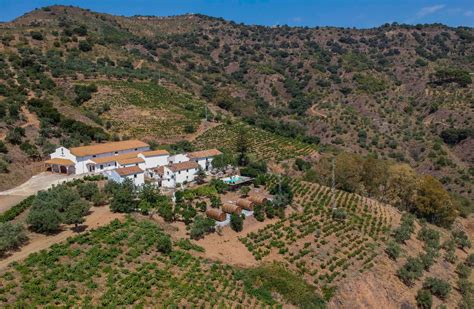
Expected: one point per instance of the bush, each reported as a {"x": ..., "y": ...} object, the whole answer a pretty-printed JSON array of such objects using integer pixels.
[
  {"x": 437, "y": 287},
  {"x": 87, "y": 190},
  {"x": 411, "y": 271},
  {"x": 164, "y": 244},
  {"x": 470, "y": 260},
  {"x": 201, "y": 226},
  {"x": 11, "y": 236},
  {"x": 44, "y": 220},
  {"x": 236, "y": 222},
  {"x": 424, "y": 299},
  {"x": 36, "y": 35},
  {"x": 393, "y": 250},
  {"x": 85, "y": 46},
  {"x": 461, "y": 239},
  {"x": 259, "y": 213}
]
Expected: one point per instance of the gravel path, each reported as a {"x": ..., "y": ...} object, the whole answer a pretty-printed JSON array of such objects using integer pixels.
[{"x": 43, "y": 181}]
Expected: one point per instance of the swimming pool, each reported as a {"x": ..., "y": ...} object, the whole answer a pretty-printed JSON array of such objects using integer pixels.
[{"x": 232, "y": 179}]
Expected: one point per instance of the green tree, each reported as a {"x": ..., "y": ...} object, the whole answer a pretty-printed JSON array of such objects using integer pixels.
[
  {"x": 12, "y": 235},
  {"x": 200, "y": 176},
  {"x": 236, "y": 222},
  {"x": 433, "y": 202},
  {"x": 123, "y": 199},
  {"x": 242, "y": 147},
  {"x": 75, "y": 212},
  {"x": 44, "y": 220},
  {"x": 244, "y": 191},
  {"x": 201, "y": 226},
  {"x": 87, "y": 190}
]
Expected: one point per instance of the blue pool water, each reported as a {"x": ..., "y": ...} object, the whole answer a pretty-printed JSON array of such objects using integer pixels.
[{"x": 232, "y": 179}]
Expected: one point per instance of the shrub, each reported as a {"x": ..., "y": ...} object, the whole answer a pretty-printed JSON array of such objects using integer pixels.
[
  {"x": 438, "y": 287},
  {"x": 393, "y": 250},
  {"x": 411, "y": 271},
  {"x": 461, "y": 239},
  {"x": 85, "y": 46},
  {"x": 201, "y": 226},
  {"x": 36, "y": 35},
  {"x": 236, "y": 222},
  {"x": 424, "y": 299},
  {"x": 87, "y": 190},
  {"x": 11, "y": 236},
  {"x": 164, "y": 244},
  {"x": 470, "y": 260}
]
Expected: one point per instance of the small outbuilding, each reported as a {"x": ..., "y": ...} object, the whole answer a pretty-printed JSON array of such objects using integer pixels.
[
  {"x": 232, "y": 209},
  {"x": 216, "y": 214},
  {"x": 258, "y": 199},
  {"x": 245, "y": 204}
]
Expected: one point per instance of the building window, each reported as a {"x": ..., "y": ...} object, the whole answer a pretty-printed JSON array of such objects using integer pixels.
[
  {"x": 101, "y": 167},
  {"x": 94, "y": 156},
  {"x": 136, "y": 149},
  {"x": 116, "y": 152},
  {"x": 135, "y": 176}
]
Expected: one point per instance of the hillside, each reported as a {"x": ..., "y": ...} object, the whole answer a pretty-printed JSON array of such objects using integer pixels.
[{"x": 398, "y": 92}]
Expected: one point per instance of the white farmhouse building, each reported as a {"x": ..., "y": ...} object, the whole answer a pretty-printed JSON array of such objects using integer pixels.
[
  {"x": 80, "y": 160},
  {"x": 134, "y": 173},
  {"x": 130, "y": 159},
  {"x": 169, "y": 176},
  {"x": 154, "y": 158},
  {"x": 204, "y": 157}
]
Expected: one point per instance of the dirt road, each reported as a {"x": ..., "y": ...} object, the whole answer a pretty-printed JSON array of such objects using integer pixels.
[
  {"x": 42, "y": 181},
  {"x": 99, "y": 216}
]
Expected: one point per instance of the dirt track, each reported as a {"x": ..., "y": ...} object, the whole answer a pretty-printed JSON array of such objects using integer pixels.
[{"x": 42, "y": 181}]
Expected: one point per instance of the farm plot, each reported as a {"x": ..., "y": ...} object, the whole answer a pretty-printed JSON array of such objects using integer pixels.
[
  {"x": 121, "y": 265},
  {"x": 322, "y": 244},
  {"x": 146, "y": 109},
  {"x": 262, "y": 144}
]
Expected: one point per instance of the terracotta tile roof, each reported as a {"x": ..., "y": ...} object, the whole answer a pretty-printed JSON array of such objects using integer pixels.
[
  {"x": 107, "y": 147},
  {"x": 130, "y": 161},
  {"x": 154, "y": 153},
  {"x": 204, "y": 154},
  {"x": 59, "y": 161},
  {"x": 115, "y": 158},
  {"x": 130, "y": 170},
  {"x": 183, "y": 166},
  {"x": 160, "y": 170}
]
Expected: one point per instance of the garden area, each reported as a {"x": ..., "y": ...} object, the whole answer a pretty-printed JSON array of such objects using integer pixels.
[{"x": 321, "y": 243}]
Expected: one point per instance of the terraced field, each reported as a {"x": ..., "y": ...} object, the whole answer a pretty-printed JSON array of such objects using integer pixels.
[
  {"x": 119, "y": 265},
  {"x": 322, "y": 244},
  {"x": 146, "y": 109},
  {"x": 262, "y": 144}
]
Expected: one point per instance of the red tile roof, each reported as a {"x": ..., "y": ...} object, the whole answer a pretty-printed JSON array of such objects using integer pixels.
[
  {"x": 183, "y": 166},
  {"x": 107, "y": 147},
  {"x": 204, "y": 154},
  {"x": 154, "y": 153},
  {"x": 59, "y": 161},
  {"x": 130, "y": 170}
]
